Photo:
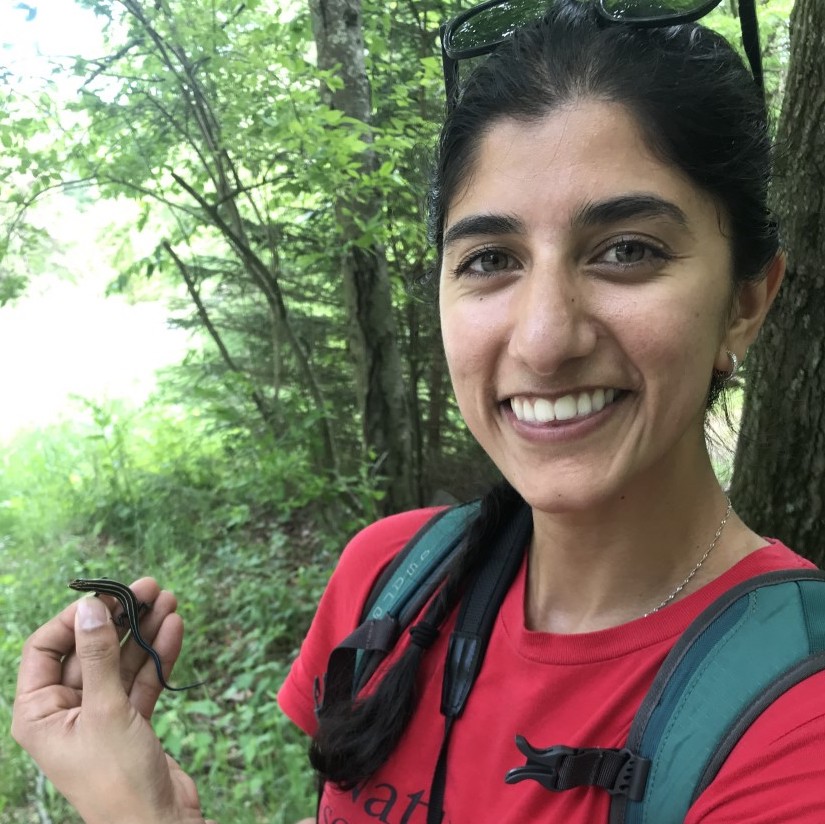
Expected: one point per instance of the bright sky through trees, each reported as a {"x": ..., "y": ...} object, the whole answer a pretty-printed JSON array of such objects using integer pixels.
[
  {"x": 64, "y": 338},
  {"x": 35, "y": 30}
]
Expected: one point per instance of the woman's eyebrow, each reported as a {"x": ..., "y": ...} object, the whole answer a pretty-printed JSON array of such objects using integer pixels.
[
  {"x": 625, "y": 207},
  {"x": 602, "y": 212},
  {"x": 475, "y": 225}
]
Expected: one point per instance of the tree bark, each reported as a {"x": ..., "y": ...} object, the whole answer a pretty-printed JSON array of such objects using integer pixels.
[
  {"x": 337, "y": 27},
  {"x": 779, "y": 471}
]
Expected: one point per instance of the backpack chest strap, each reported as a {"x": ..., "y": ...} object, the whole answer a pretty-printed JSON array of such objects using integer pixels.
[{"x": 620, "y": 772}]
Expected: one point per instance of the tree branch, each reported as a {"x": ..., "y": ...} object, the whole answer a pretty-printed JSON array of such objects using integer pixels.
[
  {"x": 203, "y": 314},
  {"x": 268, "y": 285}
]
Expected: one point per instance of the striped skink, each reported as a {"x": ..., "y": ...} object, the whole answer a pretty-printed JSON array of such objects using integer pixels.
[{"x": 131, "y": 609}]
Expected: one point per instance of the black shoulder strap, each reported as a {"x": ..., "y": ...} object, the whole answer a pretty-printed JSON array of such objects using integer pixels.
[
  {"x": 468, "y": 641},
  {"x": 479, "y": 608}
]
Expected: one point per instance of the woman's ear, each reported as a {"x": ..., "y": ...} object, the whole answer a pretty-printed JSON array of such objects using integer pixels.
[{"x": 751, "y": 303}]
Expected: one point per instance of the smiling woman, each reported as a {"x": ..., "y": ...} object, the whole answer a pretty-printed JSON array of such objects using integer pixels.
[{"x": 606, "y": 257}]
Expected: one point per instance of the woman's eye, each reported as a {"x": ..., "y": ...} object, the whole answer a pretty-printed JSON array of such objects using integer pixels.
[
  {"x": 488, "y": 262},
  {"x": 629, "y": 251},
  {"x": 632, "y": 253}
]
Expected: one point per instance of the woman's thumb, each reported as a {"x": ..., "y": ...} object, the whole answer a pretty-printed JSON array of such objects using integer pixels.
[{"x": 98, "y": 649}]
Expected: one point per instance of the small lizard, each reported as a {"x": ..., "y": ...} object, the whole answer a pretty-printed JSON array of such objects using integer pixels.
[{"x": 131, "y": 609}]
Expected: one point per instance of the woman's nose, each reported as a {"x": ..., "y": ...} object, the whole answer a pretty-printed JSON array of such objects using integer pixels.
[{"x": 552, "y": 321}]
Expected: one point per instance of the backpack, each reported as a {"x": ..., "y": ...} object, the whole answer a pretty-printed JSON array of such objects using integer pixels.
[{"x": 751, "y": 645}]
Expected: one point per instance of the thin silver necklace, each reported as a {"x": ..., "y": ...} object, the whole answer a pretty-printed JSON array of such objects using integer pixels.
[{"x": 698, "y": 565}]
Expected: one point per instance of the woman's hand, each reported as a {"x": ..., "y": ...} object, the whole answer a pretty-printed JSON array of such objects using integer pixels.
[{"x": 82, "y": 711}]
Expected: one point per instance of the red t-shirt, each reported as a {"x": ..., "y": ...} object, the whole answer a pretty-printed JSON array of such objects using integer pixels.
[{"x": 580, "y": 690}]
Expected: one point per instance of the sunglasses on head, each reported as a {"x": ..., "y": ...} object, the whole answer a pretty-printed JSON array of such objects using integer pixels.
[{"x": 481, "y": 29}]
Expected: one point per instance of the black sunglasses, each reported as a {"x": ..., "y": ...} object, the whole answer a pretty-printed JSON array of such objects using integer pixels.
[{"x": 481, "y": 29}]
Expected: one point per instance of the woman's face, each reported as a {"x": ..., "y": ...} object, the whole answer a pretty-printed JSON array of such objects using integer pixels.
[{"x": 586, "y": 297}]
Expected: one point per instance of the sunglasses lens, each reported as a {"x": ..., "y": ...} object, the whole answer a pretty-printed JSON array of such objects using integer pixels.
[
  {"x": 651, "y": 9},
  {"x": 494, "y": 24}
]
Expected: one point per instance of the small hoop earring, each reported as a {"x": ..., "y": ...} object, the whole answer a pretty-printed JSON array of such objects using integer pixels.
[{"x": 734, "y": 366}]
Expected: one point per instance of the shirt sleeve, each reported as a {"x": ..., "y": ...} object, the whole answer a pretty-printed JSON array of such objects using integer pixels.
[
  {"x": 339, "y": 610},
  {"x": 776, "y": 773}
]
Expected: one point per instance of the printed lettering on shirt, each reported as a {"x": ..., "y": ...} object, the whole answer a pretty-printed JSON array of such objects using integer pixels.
[{"x": 382, "y": 802}]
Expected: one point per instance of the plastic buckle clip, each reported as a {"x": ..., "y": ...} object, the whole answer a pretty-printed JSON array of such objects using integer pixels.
[
  {"x": 632, "y": 777},
  {"x": 543, "y": 766},
  {"x": 558, "y": 768}
]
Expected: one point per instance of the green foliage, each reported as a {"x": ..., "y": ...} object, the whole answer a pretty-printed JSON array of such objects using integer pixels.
[
  {"x": 211, "y": 119},
  {"x": 245, "y": 537}
]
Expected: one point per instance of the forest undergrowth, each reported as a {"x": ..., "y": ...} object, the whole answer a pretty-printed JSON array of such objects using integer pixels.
[{"x": 244, "y": 532}]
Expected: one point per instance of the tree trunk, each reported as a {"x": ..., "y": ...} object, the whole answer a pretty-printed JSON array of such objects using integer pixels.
[
  {"x": 338, "y": 34},
  {"x": 779, "y": 472}
]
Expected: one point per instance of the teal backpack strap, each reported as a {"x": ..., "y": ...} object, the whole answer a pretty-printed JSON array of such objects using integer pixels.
[
  {"x": 412, "y": 577},
  {"x": 396, "y": 598},
  {"x": 736, "y": 658}
]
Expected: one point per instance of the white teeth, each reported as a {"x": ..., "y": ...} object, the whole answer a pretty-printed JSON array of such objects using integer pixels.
[
  {"x": 543, "y": 410},
  {"x": 565, "y": 408}
]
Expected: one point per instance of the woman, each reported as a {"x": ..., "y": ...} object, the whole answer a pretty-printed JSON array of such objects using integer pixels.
[{"x": 606, "y": 259}]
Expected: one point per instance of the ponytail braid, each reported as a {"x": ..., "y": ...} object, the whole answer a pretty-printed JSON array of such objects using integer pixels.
[{"x": 355, "y": 738}]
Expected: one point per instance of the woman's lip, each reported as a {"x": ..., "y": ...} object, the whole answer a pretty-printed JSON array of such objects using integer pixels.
[{"x": 562, "y": 429}]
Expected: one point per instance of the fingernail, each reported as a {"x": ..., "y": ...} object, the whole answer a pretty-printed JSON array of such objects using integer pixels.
[{"x": 91, "y": 613}]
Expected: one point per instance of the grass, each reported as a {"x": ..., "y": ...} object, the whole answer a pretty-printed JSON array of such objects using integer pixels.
[{"x": 126, "y": 494}]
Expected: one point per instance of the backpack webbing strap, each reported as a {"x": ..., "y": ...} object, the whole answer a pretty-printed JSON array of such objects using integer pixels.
[
  {"x": 741, "y": 653},
  {"x": 468, "y": 641},
  {"x": 396, "y": 597},
  {"x": 410, "y": 580},
  {"x": 371, "y": 636}
]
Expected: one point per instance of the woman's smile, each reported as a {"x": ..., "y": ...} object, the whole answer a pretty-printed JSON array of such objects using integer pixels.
[
  {"x": 571, "y": 406},
  {"x": 568, "y": 417}
]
